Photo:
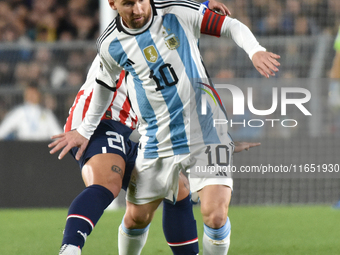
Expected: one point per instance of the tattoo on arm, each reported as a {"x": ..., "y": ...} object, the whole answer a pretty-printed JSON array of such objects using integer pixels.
[
  {"x": 186, "y": 185},
  {"x": 117, "y": 170}
]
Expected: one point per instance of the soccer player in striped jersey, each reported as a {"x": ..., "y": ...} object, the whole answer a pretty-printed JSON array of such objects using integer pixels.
[
  {"x": 157, "y": 45},
  {"x": 106, "y": 167},
  {"x": 86, "y": 208}
]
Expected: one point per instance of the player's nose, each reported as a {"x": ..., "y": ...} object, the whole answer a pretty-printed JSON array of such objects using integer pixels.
[{"x": 137, "y": 9}]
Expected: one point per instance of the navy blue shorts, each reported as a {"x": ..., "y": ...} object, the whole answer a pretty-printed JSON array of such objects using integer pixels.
[{"x": 111, "y": 137}]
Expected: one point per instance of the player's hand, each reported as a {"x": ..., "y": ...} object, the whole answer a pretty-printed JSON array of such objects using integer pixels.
[
  {"x": 219, "y": 7},
  {"x": 66, "y": 141},
  {"x": 266, "y": 63},
  {"x": 240, "y": 146}
]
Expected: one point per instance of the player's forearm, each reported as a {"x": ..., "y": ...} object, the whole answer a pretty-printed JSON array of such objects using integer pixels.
[
  {"x": 242, "y": 36},
  {"x": 100, "y": 101}
]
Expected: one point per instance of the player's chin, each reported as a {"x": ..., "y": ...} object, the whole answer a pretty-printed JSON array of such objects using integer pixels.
[{"x": 138, "y": 23}]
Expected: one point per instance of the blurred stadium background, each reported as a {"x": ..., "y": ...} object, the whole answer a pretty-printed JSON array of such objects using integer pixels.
[{"x": 52, "y": 43}]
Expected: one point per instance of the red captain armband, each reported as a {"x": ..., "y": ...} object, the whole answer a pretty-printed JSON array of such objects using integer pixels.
[{"x": 212, "y": 23}]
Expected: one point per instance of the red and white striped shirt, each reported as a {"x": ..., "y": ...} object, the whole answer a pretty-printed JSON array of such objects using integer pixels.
[{"x": 119, "y": 109}]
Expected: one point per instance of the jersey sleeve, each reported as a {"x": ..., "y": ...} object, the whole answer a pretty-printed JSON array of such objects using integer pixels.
[
  {"x": 101, "y": 98},
  {"x": 108, "y": 71},
  {"x": 100, "y": 101},
  {"x": 219, "y": 25},
  {"x": 241, "y": 35}
]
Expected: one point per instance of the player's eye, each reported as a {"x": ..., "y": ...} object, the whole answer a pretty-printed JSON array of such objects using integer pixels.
[{"x": 128, "y": 4}]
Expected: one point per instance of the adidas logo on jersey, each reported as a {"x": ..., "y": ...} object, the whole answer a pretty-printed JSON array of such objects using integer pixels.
[
  {"x": 129, "y": 62},
  {"x": 221, "y": 173}
]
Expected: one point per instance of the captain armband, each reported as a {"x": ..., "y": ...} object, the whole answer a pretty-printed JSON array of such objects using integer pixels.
[{"x": 212, "y": 23}]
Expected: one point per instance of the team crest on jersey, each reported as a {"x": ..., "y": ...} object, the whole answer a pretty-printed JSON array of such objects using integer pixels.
[
  {"x": 151, "y": 54},
  {"x": 172, "y": 42}
]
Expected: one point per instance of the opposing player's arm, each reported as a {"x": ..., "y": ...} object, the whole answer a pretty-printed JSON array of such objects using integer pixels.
[
  {"x": 241, "y": 146},
  {"x": 100, "y": 101},
  {"x": 66, "y": 141},
  {"x": 105, "y": 84}
]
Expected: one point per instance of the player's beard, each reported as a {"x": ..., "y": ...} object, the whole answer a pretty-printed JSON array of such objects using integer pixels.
[
  {"x": 143, "y": 19},
  {"x": 138, "y": 23}
]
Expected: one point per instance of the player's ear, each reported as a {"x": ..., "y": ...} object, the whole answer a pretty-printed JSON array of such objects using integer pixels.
[{"x": 112, "y": 4}]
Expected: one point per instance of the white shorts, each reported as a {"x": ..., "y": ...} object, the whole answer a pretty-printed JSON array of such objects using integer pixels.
[
  {"x": 156, "y": 178},
  {"x": 212, "y": 166}
]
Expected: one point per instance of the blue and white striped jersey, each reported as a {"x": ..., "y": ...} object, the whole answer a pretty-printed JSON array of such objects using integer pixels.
[{"x": 166, "y": 77}]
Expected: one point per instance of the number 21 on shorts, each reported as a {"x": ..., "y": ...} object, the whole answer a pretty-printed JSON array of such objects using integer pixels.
[{"x": 115, "y": 141}]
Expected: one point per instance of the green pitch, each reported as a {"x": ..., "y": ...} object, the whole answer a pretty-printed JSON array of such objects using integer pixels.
[{"x": 255, "y": 230}]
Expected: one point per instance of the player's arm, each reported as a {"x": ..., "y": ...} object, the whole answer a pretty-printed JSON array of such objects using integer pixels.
[
  {"x": 80, "y": 137},
  {"x": 265, "y": 62},
  {"x": 219, "y": 25},
  {"x": 241, "y": 146},
  {"x": 66, "y": 141},
  {"x": 100, "y": 101}
]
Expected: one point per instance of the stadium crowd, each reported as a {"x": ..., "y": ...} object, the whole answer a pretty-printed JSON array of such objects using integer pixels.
[
  {"x": 51, "y": 20},
  {"x": 48, "y": 21}
]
